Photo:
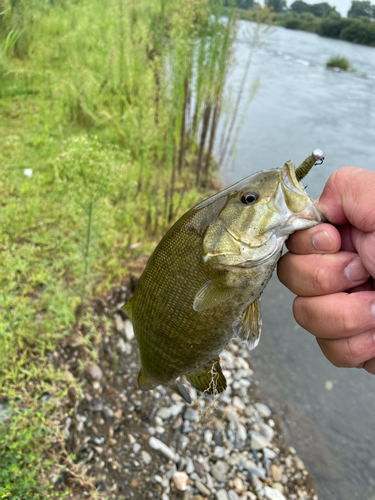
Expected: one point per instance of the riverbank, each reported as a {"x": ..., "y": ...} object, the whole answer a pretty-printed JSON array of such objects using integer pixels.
[
  {"x": 360, "y": 31},
  {"x": 153, "y": 445}
]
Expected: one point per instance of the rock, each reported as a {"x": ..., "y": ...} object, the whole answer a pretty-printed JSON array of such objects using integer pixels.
[
  {"x": 232, "y": 495},
  {"x": 191, "y": 414},
  {"x": 107, "y": 412},
  {"x": 272, "y": 494},
  {"x": 176, "y": 409},
  {"x": 208, "y": 436},
  {"x": 180, "y": 480},
  {"x": 219, "y": 452},
  {"x": 119, "y": 324},
  {"x": 241, "y": 432},
  {"x": 164, "y": 413},
  {"x": 258, "y": 471},
  {"x": 298, "y": 463},
  {"x": 129, "y": 331},
  {"x": 269, "y": 453},
  {"x": 238, "y": 484},
  {"x": 68, "y": 423},
  {"x": 136, "y": 447},
  {"x": 201, "y": 487},
  {"x": 256, "y": 482},
  {"x": 146, "y": 457},
  {"x": 209, "y": 483},
  {"x": 189, "y": 466},
  {"x": 266, "y": 431},
  {"x": 158, "y": 445},
  {"x": 164, "y": 497},
  {"x": 277, "y": 472},
  {"x": 222, "y": 495},
  {"x": 263, "y": 410},
  {"x": 219, "y": 471},
  {"x": 258, "y": 441},
  {"x": 238, "y": 403},
  {"x": 159, "y": 429},
  {"x": 94, "y": 371},
  {"x": 230, "y": 414},
  {"x": 279, "y": 487}
]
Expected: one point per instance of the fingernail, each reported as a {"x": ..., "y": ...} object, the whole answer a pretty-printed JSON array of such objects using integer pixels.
[
  {"x": 322, "y": 241},
  {"x": 373, "y": 312},
  {"x": 356, "y": 271}
]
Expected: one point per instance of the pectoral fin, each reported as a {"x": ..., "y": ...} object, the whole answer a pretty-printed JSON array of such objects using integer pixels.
[
  {"x": 249, "y": 327},
  {"x": 212, "y": 293},
  {"x": 210, "y": 379}
]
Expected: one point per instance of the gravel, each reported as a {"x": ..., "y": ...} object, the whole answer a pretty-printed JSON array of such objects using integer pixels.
[{"x": 152, "y": 445}]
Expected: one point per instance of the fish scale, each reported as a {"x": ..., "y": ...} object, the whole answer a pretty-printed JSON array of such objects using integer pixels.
[{"x": 202, "y": 284}]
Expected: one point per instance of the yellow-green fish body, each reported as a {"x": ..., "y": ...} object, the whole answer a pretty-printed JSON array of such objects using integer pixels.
[{"x": 202, "y": 284}]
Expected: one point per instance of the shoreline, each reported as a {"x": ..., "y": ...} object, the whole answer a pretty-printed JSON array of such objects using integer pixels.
[{"x": 153, "y": 445}]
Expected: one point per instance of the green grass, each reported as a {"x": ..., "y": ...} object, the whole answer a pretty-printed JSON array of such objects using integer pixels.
[
  {"x": 96, "y": 101},
  {"x": 339, "y": 62}
]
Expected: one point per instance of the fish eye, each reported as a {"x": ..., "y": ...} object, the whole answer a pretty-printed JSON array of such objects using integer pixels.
[{"x": 250, "y": 197}]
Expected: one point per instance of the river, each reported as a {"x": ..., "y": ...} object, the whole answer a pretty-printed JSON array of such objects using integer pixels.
[{"x": 328, "y": 413}]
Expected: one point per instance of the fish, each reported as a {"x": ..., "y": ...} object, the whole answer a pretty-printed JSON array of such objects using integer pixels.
[{"x": 202, "y": 284}]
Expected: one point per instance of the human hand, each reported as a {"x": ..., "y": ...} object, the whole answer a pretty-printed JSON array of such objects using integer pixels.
[{"x": 332, "y": 270}]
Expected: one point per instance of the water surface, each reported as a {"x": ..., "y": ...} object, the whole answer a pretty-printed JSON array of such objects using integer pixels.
[{"x": 328, "y": 413}]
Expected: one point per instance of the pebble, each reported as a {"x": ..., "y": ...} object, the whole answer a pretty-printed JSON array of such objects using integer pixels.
[
  {"x": 146, "y": 457},
  {"x": 272, "y": 494},
  {"x": 269, "y": 453},
  {"x": 164, "y": 413},
  {"x": 241, "y": 432},
  {"x": 107, "y": 412},
  {"x": 238, "y": 403},
  {"x": 189, "y": 466},
  {"x": 258, "y": 471},
  {"x": 238, "y": 484},
  {"x": 298, "y": 463},
  {"x": 158, "y": 445},
  {"x": 256, "y": 482},
  {"x": 208, "y": 436},
  {"x": 180, "y": 480},
  {"x": 136, "y": 447},
  {"x": 176, "y": 409},
  {"x": 202, "y": 488},
  {"x": 159, "y": 429},
  {"x": 94, "y": 371},
  {"x": 219, "y": 452},
  {"x": 219, "y": 471},
  {"x": 266, "y": 431},
  {"x": 129, "y": 330},
  {"x": 277, "y": 472},
  {"x": 119, "y": 324},
  {"x": 191, "y": 414},
  {"x": 232, "y": 495},
  {"x": 258, "y": 441},
  {"x": 263, "y": 410},
  {"x": 222, "y": 495}
]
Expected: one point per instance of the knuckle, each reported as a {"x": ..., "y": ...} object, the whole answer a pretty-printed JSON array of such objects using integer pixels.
[
  {"x": 347, "y": 321},
  {"x": 322, "y": 280}
]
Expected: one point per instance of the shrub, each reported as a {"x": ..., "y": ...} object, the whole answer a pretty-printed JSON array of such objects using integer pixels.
[{"x": 339, "y": 62}]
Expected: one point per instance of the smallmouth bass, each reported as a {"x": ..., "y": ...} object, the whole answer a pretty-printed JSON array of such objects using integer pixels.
[{"x": 203, "y": 282}]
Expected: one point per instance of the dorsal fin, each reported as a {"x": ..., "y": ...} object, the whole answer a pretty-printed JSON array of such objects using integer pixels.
[
  {"x": 209, "y": 379},
  {"x": 248, "y": 329}
]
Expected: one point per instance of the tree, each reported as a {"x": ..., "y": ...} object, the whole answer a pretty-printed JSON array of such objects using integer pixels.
[
  {"x": 321, "y": 9},
  {"x": 300, "y": 6},
  {"x": 362, "y": 8},
  {"x": 276, "y": 5}
]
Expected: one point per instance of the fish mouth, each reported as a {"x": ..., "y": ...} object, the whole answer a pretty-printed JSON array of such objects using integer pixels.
[{"x": 295, "y": 203}]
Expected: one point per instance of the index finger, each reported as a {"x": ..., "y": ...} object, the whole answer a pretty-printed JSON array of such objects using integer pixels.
[{"x": 348, "y": 196}]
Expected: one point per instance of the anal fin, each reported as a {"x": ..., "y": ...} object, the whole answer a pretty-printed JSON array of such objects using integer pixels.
[
  {"x": 248, "y": 329},
  {"x": 209, "y": 379}
]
